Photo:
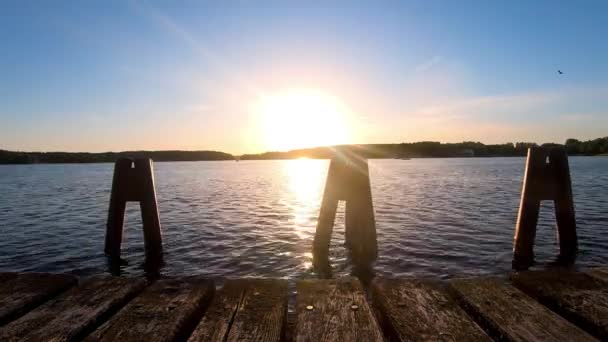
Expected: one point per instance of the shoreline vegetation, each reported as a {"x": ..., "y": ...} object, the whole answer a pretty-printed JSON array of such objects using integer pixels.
[{"x": 425, "y": 149}]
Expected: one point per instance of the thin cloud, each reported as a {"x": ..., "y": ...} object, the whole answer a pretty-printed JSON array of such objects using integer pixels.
[
  {"x": 577, "y": 117},
  {"x": 429, "y": 64},
  {"x": 535, "y": 116},
  {"x": 533, "y": 104},
  {"x": 469, "y": 106},
  {"x": 209, "y": 55}
]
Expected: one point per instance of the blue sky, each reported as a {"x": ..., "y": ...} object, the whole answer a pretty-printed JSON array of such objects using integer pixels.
[{"x": 123, "y": 75}]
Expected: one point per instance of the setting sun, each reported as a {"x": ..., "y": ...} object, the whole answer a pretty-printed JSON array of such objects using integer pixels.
[{"x": 302, "y": 118}]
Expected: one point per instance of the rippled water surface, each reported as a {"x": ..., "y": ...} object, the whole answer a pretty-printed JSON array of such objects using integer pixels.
[{"x": 435, "y": 217}]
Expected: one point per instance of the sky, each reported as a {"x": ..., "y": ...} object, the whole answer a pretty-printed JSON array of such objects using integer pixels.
[{"x": 195, "y": 75}]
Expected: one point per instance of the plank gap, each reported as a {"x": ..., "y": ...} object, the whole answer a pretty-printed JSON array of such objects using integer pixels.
[
  {"x": 509, "y": 314},
  {"x": 167, "y": 310},
  {"x": 578, "y": 297},
  {"x": 476, "y": 316},
  {"x": 422, "y": 309},
  {"x": 21, "y": 293}
]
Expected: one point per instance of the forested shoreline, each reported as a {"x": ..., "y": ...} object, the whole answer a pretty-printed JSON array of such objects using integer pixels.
[
  {"x": 10, "y": 157},
  {"x": 431, "y": 149},
  {"x": 424, "y": 149}
]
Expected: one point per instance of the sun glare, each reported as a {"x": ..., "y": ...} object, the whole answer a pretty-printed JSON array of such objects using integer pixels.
[
  {"x": 305, "y": 180},
  {"x": 302, "y": 118}
]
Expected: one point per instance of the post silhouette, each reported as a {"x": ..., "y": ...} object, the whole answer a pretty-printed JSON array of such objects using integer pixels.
[
  {"x": 134, "y": 181},
  {"x": 347, "y": 180},
  {"x": 547, "y": 177}
]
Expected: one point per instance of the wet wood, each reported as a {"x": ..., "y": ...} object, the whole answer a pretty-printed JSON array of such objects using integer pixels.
[
  {"x": 20, "y": 293},
  {"x": 74, "y": 313},
  {"x": 413, "y": 310},
  {"x": 117, "y": 208},
  {"x": 247, "y": 309},
  {"x": 134, "y": 181},
  {"x": 509, "y": 314},
  {"x": 579, "y": 297},
  {"x": 347, "y": 180},
  {"x": 547, "y": 177},
  {"x": 334, "y": 310},
  {"x": 564, "y": 206},
  {"x": 167, "y": 310}
]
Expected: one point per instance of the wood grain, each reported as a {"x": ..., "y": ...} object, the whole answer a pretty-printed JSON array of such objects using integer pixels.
[
  {"x": 247, "y": 309},
  {"x": 334, "y": 310},
  {"x": 509, "y": 314},
  {"x": 75, "y": 312},
  {"x": 167, "y": 310},
  {"x": 412, "y": 310},
  {"x": 599, "y": 273},
  {"x": 20, "y": 293},
  {"x": 579, "y": 297}
]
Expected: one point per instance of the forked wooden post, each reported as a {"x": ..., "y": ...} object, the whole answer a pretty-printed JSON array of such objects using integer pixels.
[
  {"x": 134, "y": 181},
  {"x": 347, "y": 180},
  {"x": 547, "y": 177}
]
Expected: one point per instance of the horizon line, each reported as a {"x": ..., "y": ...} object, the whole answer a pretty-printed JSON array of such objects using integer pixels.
[{"x": 299, "y": 149}]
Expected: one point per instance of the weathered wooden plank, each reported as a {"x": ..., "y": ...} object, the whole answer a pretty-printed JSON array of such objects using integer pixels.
[
  {"x": 580, "y": 298},
  {"x": 334, "y": 310},
  {"x": 247, "y": 309},
  {"x": 215, "y": 325},
  {"x": 20, "y": 293},
  {"x": 599, "y": 273},
  {"x": 4, "y": 276},
  {"x": 167, "y": 310},
  {"x": 508, "y": 314},
  {"x": 74, "y": 313},
  {"x": 412, "y": 310}
]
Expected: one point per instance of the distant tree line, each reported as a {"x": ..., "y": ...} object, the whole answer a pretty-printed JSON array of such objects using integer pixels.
[
  {"x": 9, "y": 157},
  {"x": 432, "y": 149},
  {"x": 424, "y": 149},
  {"x": 589, "y": 147}
]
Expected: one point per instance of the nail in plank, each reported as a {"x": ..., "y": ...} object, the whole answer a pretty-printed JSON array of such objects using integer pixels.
[{"x": 334, "y": 310}]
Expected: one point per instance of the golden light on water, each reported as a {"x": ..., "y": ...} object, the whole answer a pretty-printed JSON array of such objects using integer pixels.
[
  {"x": 301, "y": 118},
  {"x": 294, "y": 119},
  {"x": 304, "y": 179},
  {"x": 305, "y": 184}
]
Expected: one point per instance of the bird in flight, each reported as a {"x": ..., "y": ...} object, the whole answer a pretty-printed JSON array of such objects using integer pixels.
[{"x": 559, "y": 72}]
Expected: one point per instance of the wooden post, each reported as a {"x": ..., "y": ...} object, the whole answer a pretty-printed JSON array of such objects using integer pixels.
[
  {"x": 347, "y": 180},
  {"x": 547, "y": 177},
  {"x": 134, "y": 181}
]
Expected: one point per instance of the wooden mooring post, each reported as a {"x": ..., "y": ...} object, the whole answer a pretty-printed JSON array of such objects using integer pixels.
[
  {"x": 134, "y": 181},
  {"x": 547, "y": 177},
  {"x": 347, "y": 180}
]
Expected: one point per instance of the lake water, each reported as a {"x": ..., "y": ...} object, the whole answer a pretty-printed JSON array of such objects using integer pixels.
[{"x": 435, "y": 217}]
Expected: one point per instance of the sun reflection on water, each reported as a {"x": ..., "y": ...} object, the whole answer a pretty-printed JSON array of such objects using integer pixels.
[{"x": 305, "y": 179}]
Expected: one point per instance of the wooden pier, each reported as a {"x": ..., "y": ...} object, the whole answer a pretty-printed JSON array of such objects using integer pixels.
[{"x": 552, "y": 305}]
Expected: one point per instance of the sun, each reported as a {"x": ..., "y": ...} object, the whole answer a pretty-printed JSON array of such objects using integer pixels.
[{"x": 300, "y": 118}]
